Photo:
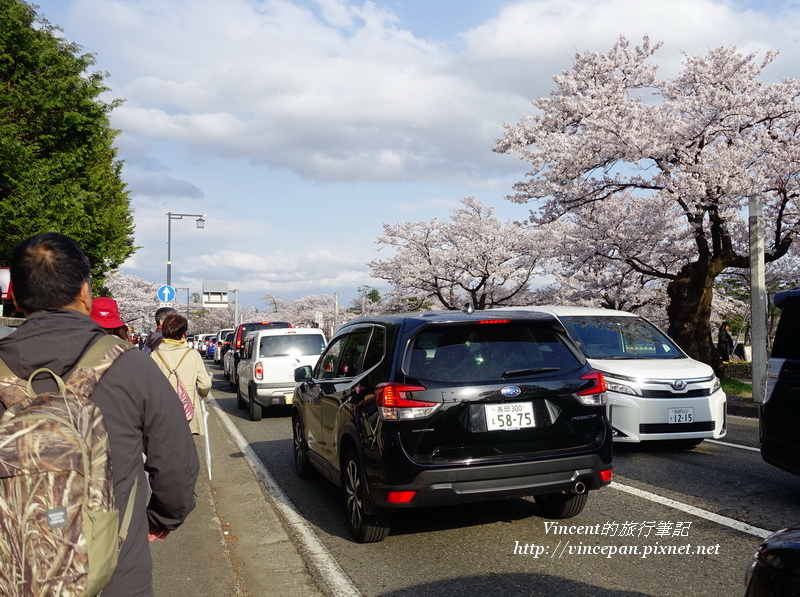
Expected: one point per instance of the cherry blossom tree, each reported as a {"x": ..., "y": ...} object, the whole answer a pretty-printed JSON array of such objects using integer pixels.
[
  {"x": 691, "y": 149},
  {"x": 472, "y": 257},
  {"x": 587, "y": 253},
  {"x": 136, "y": 298}
]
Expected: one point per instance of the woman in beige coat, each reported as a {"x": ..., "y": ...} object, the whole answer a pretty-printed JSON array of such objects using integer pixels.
[{"x": 191, "y": 370}]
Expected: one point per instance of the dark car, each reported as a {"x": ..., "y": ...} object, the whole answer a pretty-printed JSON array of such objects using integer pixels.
[
  {"x": 432, "y": 409},
  {"x": 779, "y": 415},
  {"x": 223, "y": 346},
  {"x": 238, "y": 341},
  {"x": 775, "y": 569}
]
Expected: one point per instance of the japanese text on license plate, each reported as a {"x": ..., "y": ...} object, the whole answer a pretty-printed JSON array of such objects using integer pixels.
[
  {"x": 511, "y": 415},
  {"x": 680, "y": 415}
]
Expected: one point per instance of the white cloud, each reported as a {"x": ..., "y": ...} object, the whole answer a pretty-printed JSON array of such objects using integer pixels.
[{"x": 298, "y": 124}]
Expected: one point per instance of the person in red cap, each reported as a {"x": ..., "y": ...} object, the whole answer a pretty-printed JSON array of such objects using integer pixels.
[{"x": 105, "y": 313}]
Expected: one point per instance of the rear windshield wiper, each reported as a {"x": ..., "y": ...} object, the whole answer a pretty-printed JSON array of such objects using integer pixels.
[{"x": 523, "y": 372}]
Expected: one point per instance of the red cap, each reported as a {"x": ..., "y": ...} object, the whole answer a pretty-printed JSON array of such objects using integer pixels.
[{"x": 106, "y": 312}]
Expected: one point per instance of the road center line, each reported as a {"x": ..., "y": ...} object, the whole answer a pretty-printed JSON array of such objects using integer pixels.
[
  {"x": 717, "y": 518},
  {"x": 321, "y": 558}
]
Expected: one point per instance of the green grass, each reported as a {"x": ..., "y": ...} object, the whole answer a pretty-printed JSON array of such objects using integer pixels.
[{"x": 734, "y": 387}]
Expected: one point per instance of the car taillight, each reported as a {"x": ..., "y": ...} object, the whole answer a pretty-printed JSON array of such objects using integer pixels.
[
  {"x": 606, "y": 475},
  {"x": 258, "y": 371},
  {"x": 396, "y": 404},
  {"x": 596, "y": 394}
]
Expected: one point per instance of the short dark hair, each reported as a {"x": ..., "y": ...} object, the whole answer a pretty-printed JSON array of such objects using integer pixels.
[
  {"x": 162, "y": 313},
  {"x": 47, "y": 272},
  {"x": 174, "y": 326}
]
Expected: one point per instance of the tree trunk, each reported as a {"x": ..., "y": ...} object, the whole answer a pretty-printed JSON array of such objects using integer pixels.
[{"x": 689, "y": 313}]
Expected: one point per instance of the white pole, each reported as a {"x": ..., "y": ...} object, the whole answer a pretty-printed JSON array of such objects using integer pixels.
[{"x": 758, "y": 299}]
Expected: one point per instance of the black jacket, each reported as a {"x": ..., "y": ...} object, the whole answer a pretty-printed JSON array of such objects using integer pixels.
[
  {"x": 142, "y": 415},
  {"x": 152, "y": 342}
]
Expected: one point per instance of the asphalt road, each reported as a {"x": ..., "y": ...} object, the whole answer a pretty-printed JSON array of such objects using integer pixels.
[{"x": 673, "y": 523}]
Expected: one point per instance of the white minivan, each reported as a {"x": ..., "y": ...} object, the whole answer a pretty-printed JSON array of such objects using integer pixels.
[{"x": 655, "y": 390}]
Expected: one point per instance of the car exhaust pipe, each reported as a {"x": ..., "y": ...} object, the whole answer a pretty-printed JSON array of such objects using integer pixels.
[{"x": 580, "y": 487}]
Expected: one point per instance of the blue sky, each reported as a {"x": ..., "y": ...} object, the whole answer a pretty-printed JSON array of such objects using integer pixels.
[{"x": 300, "y": 127}]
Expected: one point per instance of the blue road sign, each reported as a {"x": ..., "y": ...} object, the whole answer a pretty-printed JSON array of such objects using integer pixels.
[{"x": 166, "y": 293}]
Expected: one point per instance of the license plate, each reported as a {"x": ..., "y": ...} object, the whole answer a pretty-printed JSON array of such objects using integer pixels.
[
  {"x": 680, "y": 415},
  {"x": 289, "y": 397},
  {"x": 511, "y": 415}
]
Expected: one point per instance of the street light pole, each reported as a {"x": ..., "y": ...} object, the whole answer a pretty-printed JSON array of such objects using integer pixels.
[{"x": 171, "y": 216}]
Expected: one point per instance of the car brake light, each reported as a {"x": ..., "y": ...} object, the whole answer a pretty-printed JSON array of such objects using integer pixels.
[
  {"x": 395, "y": 404},
  {"x": 596, "y": 394},
  {"x": 258, "y": 371},
  {"x": 400, "y": 497},
  {"x": 494, "y": 321}
]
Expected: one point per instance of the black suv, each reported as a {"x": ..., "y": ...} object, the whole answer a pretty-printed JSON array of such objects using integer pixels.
[
  {"x": 428, "y": 409},
  {"x": 779, "y": 416}
]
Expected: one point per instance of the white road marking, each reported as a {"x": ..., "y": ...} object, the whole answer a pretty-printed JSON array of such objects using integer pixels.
[
  {"x": 716, "y": 441},
  {"x": 717, "y": 518},
  {"x": 321, "y": 558}
]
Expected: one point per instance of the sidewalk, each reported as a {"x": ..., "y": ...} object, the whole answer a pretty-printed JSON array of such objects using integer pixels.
[{"x": 234, "y": 543}]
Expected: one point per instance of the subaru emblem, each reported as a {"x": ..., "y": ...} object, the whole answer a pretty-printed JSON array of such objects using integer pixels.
[
  {"x": 511, "y": 391},
  {"x": 678, "y": 385}
]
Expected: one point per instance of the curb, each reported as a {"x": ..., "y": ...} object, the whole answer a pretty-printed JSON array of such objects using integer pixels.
[{"x": 742, "y": 408}]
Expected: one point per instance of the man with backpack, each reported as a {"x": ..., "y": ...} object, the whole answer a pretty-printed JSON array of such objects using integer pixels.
[{"x": 51, "y": 287}]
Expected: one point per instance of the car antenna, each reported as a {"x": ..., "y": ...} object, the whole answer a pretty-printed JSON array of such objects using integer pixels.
[{"x": 468, "y": 308}]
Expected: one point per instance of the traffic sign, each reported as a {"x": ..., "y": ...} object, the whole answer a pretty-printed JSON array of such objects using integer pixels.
[{"x": 166, "y": 293}]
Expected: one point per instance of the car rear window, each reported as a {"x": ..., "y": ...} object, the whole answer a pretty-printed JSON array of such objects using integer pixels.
[
  {"x": 290, "y": 345},
  {"x": 786, "y": 345},
  {"x": 487, "y": 352}
]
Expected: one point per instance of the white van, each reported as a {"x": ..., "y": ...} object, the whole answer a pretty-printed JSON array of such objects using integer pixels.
[
  {"x": 265, "y": 373},
  {"x": 655, "y": 391}
]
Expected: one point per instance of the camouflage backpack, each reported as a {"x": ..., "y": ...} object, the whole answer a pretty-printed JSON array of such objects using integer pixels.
[{"x": 60, "y": 531}]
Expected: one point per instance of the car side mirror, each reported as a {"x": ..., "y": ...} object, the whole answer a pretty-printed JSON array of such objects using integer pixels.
[{"x": 302, "y": 373}]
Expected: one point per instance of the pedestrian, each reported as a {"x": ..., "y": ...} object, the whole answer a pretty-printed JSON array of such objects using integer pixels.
[
  {"x": 105, "y": 313},
  {"x": 154, "y": 339},
  {"x": 51, "y": 288},
  {"x": 724, "y": 342},
  {"x": 175, "y": 354}
]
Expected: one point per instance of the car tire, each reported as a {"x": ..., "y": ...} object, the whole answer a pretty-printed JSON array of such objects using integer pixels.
[
  {"x": 302, "y": 466},
  {"x": 255, "y": 410},
  {"x": 561, "y": 505},
  {"x": 365, "y": 528}
]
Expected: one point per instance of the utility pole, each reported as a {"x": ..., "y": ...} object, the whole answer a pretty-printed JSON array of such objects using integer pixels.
[
  {"x": 758, "y": 299},
  {"x": 335, "y": 311}
]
